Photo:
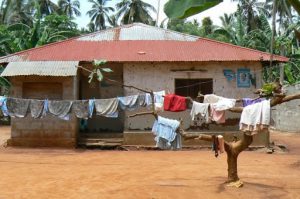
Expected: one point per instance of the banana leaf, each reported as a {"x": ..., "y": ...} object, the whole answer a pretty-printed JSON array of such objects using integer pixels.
[{"x": 185, "y": 8}]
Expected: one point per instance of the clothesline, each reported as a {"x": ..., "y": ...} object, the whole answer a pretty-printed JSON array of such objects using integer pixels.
[{"x": 255, "y": 116}]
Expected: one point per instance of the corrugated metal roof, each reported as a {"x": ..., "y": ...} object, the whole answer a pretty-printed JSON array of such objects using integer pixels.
[
  {"x": 41, "y": 68},
  {"x": 139, "y": 50},
  {"x": 137, "y": 31}
]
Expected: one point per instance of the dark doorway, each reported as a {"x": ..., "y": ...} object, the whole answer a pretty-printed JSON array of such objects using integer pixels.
[{"x": 191, "y": 87}]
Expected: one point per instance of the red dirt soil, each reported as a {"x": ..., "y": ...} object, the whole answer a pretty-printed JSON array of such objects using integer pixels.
[{"x": 57, "y": 173}]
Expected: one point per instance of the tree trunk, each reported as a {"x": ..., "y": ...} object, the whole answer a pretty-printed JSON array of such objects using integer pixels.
[
  {"x": 232, "y": 167},
  {"x": 233, "y": 150}
]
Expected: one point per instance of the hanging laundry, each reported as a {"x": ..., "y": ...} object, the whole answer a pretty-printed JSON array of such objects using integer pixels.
[
  {"x": 256, "y": 117},
  {"x": 249, "y": 101},
  {"x": 163, "y": 143},
  {"x": 219, "y": 103},
  {"x": 81, "y": 108},
  {"x": 211, "y": 98},
  {"x": 142, "y": 100},
  {"x": 37, "y": 108},
  {"x": 165, "y": 133},
  {"x": 107, "y": 107},
  {"x": 224, "y": 104},
  {"x": 217, "y": 116},
  {"x": 158, "y": 100},
  {"x": 174, "y": 103},
  {"x": 129, "y": 102},
  {"x": 61, "y": 109},
  {"x": 17, "y": 107},
  {"x": 3, "y": 106},
  {"x": 159, "y": 97},
  {"x": 91, "y": 107},
  {"x": 221, "y": 143},
  {"x": 202, "y": 109},
  {"x": 46, "y": 107}
]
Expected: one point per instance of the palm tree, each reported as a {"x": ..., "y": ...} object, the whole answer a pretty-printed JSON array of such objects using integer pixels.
[
  {"x": 100, "y": 13},
  {"x": 131, "y": 11},
  {"x": 15, "y": 11},
  {"x": 260, "y": 38},
  {"x": 69, "y": 7},
  {"x": 249, "y": 9},
  {"x": 235, "y": 32},
  {"x": 283, "y": 10},
  {"x": 226, "y": 20},
  {"x": 47, "y": 7}
]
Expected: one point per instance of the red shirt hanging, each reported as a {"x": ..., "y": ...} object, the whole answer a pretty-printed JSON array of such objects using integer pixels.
[{"x": 174, "y": 103}]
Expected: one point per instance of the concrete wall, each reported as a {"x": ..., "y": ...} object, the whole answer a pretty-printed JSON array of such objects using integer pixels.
[
  {"x": 160, "y": 77},
  {"x": 286, "y": 116},
  {"x": 49, "y": 131}
]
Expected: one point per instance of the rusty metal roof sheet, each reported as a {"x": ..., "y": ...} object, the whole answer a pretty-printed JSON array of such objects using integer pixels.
[
  {"x": 41, "y": 68},
  {"x": 137, "y": 31}
]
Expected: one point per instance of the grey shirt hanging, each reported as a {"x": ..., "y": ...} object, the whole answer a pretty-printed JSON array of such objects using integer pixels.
[
  {"x": 81, "y": 108},
  {"x": 17, "y": 107},
  {"x": 60, "y": 108},
  {"x": 37, "y": 108},
  {"x": 107, "y": 107}
]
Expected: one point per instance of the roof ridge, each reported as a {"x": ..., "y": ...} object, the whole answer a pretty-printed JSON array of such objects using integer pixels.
[
  {"x": 106, "y": 30},
  {"x": 236, "y": 46},
  {"x": 140, "y": 24}
]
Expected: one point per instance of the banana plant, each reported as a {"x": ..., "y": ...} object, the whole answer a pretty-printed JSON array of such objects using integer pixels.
[{"x": 3, "y": 81}]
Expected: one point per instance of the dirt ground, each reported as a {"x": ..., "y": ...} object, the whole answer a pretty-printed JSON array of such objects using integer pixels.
[{"x": 56, "y": 173}]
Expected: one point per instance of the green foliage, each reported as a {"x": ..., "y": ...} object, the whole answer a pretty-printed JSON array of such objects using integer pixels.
[
  {"x": 3, "y": 81},
  {"x": 268, "y": 88},
  {"x": 99, "y": 14},
  {"x": 130, "y": 11},
  {"x": 98, "y": 70},
  {"x": 183, "y": 26},
  {"x": 19, "y": 36},
  {"x": 98, "y": 63},
  {"x": 69, "y": 7},
  {"x": 181, "y": 9}
]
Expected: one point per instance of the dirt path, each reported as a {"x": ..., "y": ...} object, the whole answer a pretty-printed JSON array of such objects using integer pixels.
[{"x": 53, "y": 173}]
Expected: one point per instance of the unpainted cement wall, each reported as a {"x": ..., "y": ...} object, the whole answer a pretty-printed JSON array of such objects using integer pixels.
[
  {"x": 158, "y": 77},
  {"x": 286, "y": 116},
  {"x": 49, "y": 131}
]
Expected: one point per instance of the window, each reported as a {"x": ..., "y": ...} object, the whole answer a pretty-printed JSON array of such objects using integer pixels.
[{"x": 191, "y": 87}]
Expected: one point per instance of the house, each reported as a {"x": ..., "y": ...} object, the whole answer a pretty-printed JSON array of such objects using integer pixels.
[{"x": 140, "y": 55}]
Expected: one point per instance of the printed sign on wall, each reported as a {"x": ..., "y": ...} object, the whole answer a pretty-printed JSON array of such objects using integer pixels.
[{"x": 243, "y": 78}]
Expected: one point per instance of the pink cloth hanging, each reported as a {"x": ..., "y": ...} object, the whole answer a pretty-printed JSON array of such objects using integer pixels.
[{"x": 217, "y": 116}]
